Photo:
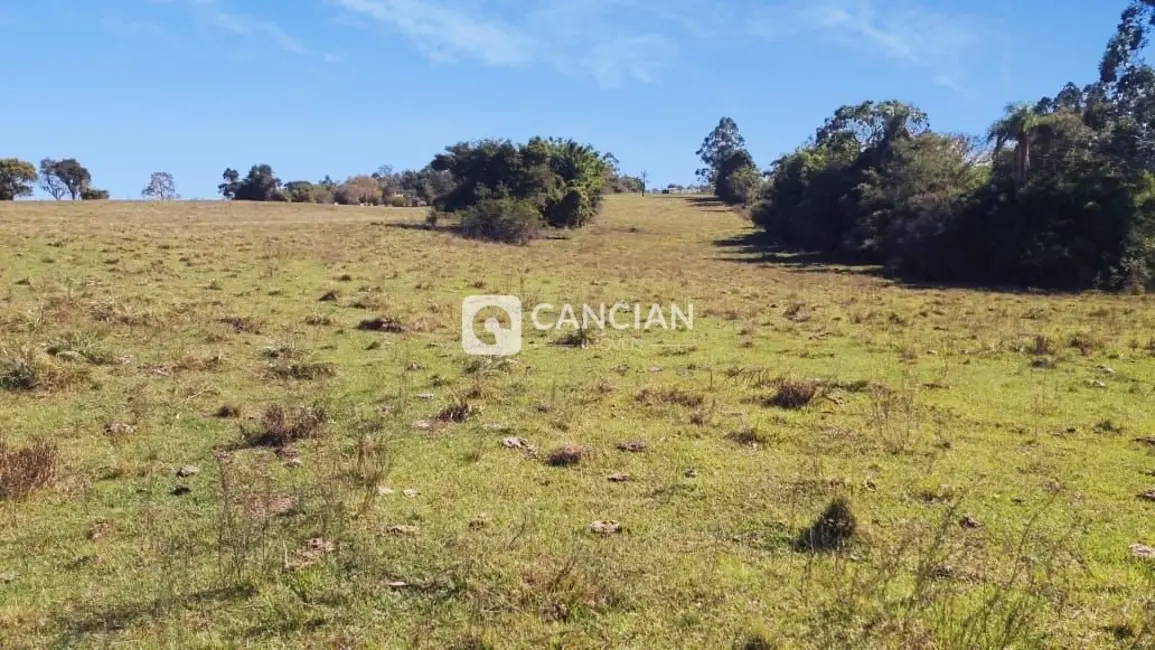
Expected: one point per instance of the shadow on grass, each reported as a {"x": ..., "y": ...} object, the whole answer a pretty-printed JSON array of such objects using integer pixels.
[
  {"x": 411, "y": 225},
  {"x": 455, "y": 229},
  {"x": 705, "y": 202},
  {"x": 121, "y": 615},
  {"x": 756, "y": 247}
]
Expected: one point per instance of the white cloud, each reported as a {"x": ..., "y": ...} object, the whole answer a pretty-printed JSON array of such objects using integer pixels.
[
  {"x": 903, "y": 32},
  {"x": 614, "y": 41}
]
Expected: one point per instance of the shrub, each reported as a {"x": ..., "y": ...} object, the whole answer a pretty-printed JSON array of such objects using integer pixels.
[
  {"x": 26, "y": 371},
  {"x": 660, "y": 395},
  {"x": 25, "y": 470},
  {"x": 794, "y": 394},
  {"x": 513, "y": 221},
  {"x": 831, "y": 531},
  {"x": 567, "y": 455},
  {"x": 280, "y": 427}
]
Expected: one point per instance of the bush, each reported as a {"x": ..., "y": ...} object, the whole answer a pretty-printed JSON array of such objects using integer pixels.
[
  {"x": 280, "y": 427},
  {"x": 508, "y": 220},
  {"x": 93, "y": 194},
  {"x": 497, "y": 184},
  {"x": 25, "y": 470}
]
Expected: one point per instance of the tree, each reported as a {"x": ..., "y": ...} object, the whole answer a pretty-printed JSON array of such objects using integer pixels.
[
  {"x": 358, "y": 190},
  {"x": 873, "y": 126},
  {"x": 161, "y": 187},
  {"x": 303, "y": 192},
  {"x": 737, "y": 179},
  {"x": 261, "y": 184},
  {"x": 93, "y": 194},
  {"x": 228, "y": 189},
  {"x": 1020, "y": 124},
  {"x": 645, "y": 176},
  {"x": 16, "y": 178},
  {"x": 723, "y": 141},
  {"x": 60, "y": 177}
]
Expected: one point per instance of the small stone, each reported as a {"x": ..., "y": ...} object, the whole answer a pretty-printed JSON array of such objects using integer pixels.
[
  {"x": 606, "y": 527},
  {"x": 655, "y": 369},
  {"x": 396, "y": 584},
  {"x": 402, "y": 530},
  {"x": 187, "y": 471},
  {"x": 1143, "y": 551},
  {"x": 423, "y": 425},
  {"x": 633, "y": 447},
  {"x": 119, "y": 429},
  {"x": 1106, "y": 370},
  {"x": 691, "y": 473},
  {"x": 410, "y": 493},
  {"x": 426, "y": 396},
  {"x": 1098, "y": 384},
  {"x": 970, "y": 523},
  {"x": 1148, "y": 496},
  {"x": 384, "y": 491},
  {"x": 619, "y": 478},
  {"x": 294, "y": 462},
  {"x": 516, "y": 443},
  {"x": 181, "y": 490}
]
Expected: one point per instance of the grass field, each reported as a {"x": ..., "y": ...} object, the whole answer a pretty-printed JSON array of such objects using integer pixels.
[{"x": 986, "y": 442}]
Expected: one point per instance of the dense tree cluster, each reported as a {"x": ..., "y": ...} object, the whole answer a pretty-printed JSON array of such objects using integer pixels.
[
  {"x": 1061, "y": 195},
  {"x": 509, "y": 192}
]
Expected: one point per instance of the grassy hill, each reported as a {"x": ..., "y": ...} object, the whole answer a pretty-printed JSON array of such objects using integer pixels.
[{"x": 361, "y": 482}]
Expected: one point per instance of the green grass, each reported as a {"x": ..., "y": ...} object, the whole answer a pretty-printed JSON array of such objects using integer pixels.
[{"x": 799, "y": 384}]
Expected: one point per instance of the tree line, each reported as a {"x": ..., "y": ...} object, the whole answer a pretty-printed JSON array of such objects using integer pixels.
[
  {"x": 487, "y": 189},
  {"x": 1058, "y": 193},
  {"x": 59, "y": 178},
  {"x": 68, "y": 178}
]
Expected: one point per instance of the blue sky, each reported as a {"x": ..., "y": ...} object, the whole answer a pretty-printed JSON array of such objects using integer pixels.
[{"x": 339, "y": 87}]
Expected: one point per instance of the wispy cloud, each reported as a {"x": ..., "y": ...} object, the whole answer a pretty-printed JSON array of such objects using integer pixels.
[
  {"x": 135, "y": 28},
  {"x": 447, "y": 33},
  {"x": 907, "y": 33},
  {"x": 213, "y": 14},
  {"x": 614, "y": 41}
]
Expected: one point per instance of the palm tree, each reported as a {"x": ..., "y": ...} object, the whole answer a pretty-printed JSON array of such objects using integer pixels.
[{"x": 1021, "y": 124}]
